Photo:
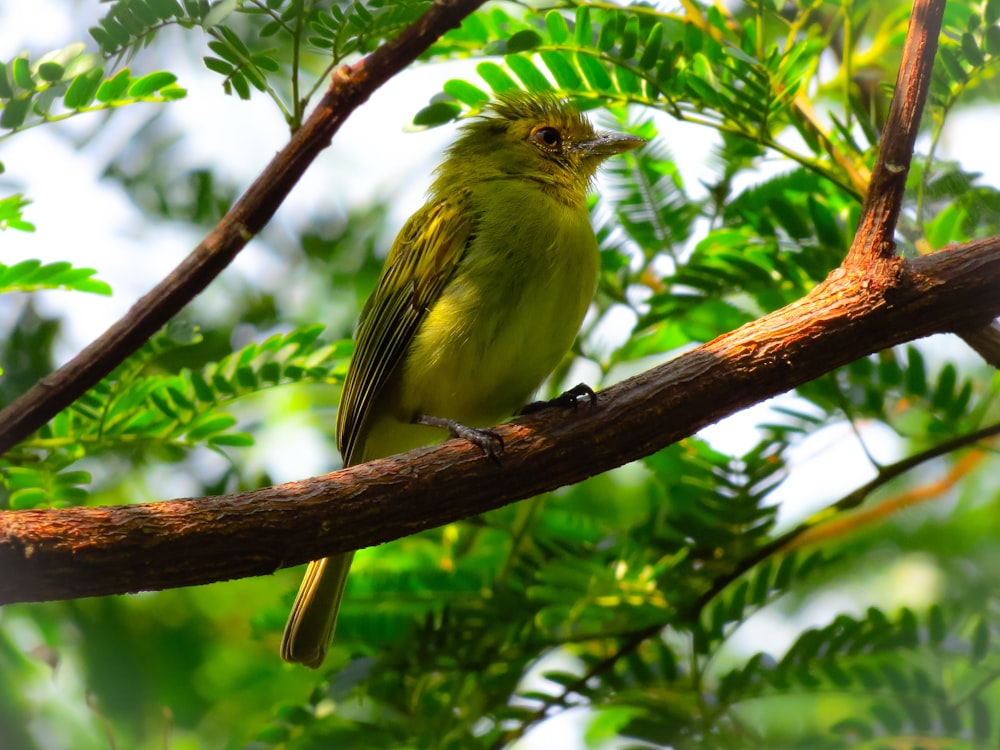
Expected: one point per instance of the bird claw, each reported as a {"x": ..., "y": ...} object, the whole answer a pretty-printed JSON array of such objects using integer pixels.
[
  {"x": 567, "y": 400},
  {"x": 487, "y": 440}
]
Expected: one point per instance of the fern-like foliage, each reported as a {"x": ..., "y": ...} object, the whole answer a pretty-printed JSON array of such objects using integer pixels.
[
  {"x": 700, "y": 69},
  {"x": 70, "y": 82},
  {"x": 11, "y": 216},
  {"x": 282, "y": 48},
  {"x": 32, "y": 275},
  {"x": 139, "y": 411}
]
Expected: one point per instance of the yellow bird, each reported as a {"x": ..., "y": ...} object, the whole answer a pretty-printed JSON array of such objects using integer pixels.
[{"x": 482, "y": 295}]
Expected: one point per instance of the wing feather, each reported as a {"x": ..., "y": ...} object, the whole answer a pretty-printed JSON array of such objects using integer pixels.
[{"x": 422, "y": 260}]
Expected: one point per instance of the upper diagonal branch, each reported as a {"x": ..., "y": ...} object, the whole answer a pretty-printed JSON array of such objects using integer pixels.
[
  {"x": 884, "y": 198},
  {"x": 73, "y": 552},
  {"x": 351, "y": 86}
]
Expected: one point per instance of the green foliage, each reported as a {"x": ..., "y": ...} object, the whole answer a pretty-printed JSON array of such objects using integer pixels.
[
  {"x": 697, "y": 70},
  {"x": 278, "y": 47},
  {"x": 10, "y": 213},
  {"x": 69, "y": 82},
  {"x": 897, "y": 677},
  {"x": 661, "y": 599},
  {"x": 140, "y": 413},
  {"x": 32, "y": 275}
]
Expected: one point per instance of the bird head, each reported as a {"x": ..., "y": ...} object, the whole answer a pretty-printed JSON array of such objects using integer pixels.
[{"x": 534, "y": 136}]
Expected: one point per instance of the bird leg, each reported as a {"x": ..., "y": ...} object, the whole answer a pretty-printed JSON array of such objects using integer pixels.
[
  {"x": 489, "y": 441},
  {"x": 567, "y": 400}
]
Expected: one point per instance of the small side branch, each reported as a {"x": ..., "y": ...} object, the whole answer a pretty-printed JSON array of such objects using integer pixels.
[{"x": 880, "y": 212}]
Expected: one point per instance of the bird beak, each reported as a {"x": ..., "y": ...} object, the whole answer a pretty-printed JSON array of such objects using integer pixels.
[{"x": 609, "y": 144}]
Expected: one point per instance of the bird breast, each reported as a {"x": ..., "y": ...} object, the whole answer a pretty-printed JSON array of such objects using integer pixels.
[{"x": 510, "y": 312}]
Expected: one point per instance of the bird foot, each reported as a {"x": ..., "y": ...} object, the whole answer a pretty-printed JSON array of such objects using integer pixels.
[
  {"x": 488, "y": 441},
  {"x": 567, "y": 400}
]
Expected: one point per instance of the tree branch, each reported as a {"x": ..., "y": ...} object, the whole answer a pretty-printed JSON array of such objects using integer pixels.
[
  {"x": 81, "y": 551},
  {"x": 880, "y": 212},
  {"x": 351, "y": 87}
]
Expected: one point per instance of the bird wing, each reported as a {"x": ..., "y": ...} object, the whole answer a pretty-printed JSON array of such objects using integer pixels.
[{"x": 422, "y": 260}]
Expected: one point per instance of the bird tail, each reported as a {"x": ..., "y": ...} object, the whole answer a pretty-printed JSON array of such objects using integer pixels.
[{"x": 314, "y": 615}]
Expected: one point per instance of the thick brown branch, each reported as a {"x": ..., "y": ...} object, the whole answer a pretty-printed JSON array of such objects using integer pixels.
[
  {"x": 350, "y": 88},
  {"x": 884, "y": 199},
  {"x": 73, "y": 552}
]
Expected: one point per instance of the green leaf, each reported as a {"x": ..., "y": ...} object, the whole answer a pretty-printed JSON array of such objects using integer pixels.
[
  {"x": 561, "y": 69},
  {"x": 980, "y": 641},
  {"x": 557, "y": 27},
  {"x": 436, "y": 114},
  {"x": 944, "y": 390},
  {"x": 584, "y": 32},
  {"x": 606, "y": 39},
  {"x": 971, "y": 49},
  {"x": 166, "y": 9},
  {"x": 992, "y": 14},
  {"x": 761, "y": 584},
  {"x": 113, "y": 89},
  {"x": 651, "y": 52},
  {"x": 523, "y": 41},
  {"x": 15, "y": 112},
  {"x": 6, "y": 92},
  {"x": 28, "y": 498},
  {"x": 239, "y": 83},
  {"x": 31, "y": 275},
  {"x": 21, "y": 73},
  {"x": 466, "y": 92},
  {"x": 180, "y": 398},
  {"x": 953, "y": 65},
  {"x": 626, "y": 81},
  {"x": 218, "y": 66},
  {"x": 609, "y": 723},
  {"x": 232, "y": 439},
  {"x": 916, "y": 372},
  {"x": 887, "y": 717},
  {"x": 10, "y": 211},
  {"x": 597, "y": 77},
  {"x": 827, "y": 228},
  {"x": 50, "y": 71},
  {"x": 150, "y": 83},
  {"x": 630, "y": 38},
  {"x": 496, "y": 77},
  {"x": 83, "y": 89},
  {"x": 226, "y": 52},
  {"x": 202, "y": 390},
  {"x": 209, "y": 424},
  {"x": 993, "y": 41},
  {"x": 530, "y": 76}
]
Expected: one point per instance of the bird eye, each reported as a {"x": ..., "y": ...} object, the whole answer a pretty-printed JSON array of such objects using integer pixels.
[{"x": 547, "y": 137}]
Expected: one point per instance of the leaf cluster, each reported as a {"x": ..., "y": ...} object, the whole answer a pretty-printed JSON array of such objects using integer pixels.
[
  {"x": 145, "y": 414},
  {"x": 70, "y": 82}
]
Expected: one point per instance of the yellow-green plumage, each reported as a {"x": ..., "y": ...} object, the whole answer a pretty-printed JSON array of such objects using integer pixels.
[{"x": 481, "y": 296}]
